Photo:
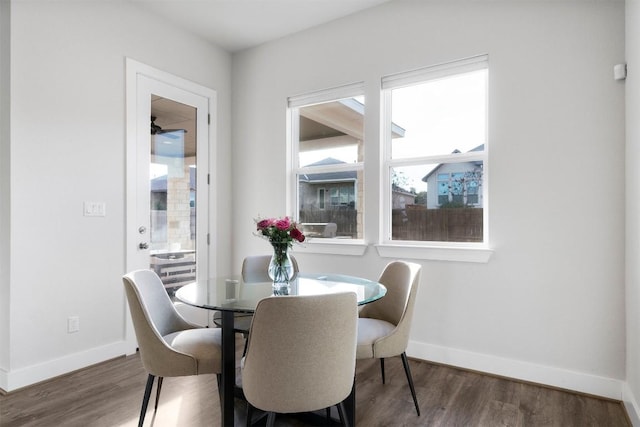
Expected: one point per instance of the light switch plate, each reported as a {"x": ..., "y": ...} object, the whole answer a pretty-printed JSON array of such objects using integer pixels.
[
  {"x": 73, "y": 324},
  {"x": 95, "y": 209}
]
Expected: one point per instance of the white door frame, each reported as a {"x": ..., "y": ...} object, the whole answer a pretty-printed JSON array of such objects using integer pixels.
[{"x": 139, "y": 77}]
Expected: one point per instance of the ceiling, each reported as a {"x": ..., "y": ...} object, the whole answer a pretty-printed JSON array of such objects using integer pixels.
[
  {"x": 235, "y": 25},
  {"x": 178, "y": 124}
]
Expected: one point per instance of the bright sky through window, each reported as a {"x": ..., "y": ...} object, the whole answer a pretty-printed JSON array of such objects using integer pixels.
[
  {"x": 439, "y": 116},
  {"x": 339, "y": 153}
]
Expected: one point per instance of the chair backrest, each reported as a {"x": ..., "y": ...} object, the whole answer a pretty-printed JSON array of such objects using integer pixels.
[
  {"x": 256, "y": 268},
  {"x": 194, "y": 315},
  {"x": 330, "y": 230},
  {"x": 153, "y": 316},
  {"x": 301, "y": 352},
  {"x": 401, "y": 279}
]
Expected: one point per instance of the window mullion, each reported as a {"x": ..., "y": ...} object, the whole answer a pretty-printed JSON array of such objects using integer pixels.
[
  {"x": 447, "y": 158},
  {"x": 384, "y": 232}
]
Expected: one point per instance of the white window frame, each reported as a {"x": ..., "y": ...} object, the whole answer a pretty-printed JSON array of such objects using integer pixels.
[
  {"x": 447, "y": 251},
  {"x": 294, "y": 103}
]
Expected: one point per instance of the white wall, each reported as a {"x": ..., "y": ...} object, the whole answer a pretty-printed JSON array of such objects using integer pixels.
[
  {"x": 68, "y": 146},
  {"x": 549, "y": 305},
  {"x": 5, "y": 24},
  {"x": 633, "y": 207}
]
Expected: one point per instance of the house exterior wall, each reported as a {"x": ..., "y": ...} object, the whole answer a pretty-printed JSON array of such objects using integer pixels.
[
  {"x": 399, "y": 200},
  {"x": 179, "y": 209},
  {"x": 310, "y": 196},
  {"x": 433, "y": 193}
]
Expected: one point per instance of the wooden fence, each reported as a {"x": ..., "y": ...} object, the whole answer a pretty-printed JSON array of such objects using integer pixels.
[
  {"x": 413, "y": 223},
  {"x": 345, "y": 219},
  {"x": 437, "y": 225}
]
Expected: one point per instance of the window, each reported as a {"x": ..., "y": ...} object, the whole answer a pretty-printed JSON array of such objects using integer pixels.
[
  {"x": 327, "y": 141},
  {"x": 343, "y": 196},
  {"x": 321, "y": 197},
  {"x": 435, "y": 145}
]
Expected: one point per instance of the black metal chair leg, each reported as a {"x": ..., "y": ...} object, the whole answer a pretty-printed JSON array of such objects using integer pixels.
[
  {"x": 219, "y": 379},
  {"x": 246, "y": 341},
  {"x": 250, "y": 419},
  {"x": 271, "y": 419},
  {"x": 407, "y": 371},
  {"x": 249, "y": 414},
  {"x": 382, "y": 368},
  {"x": 145, "y": 400},
  {"x": 341, "y": 413},
  {"x": 158, "y": 392}
]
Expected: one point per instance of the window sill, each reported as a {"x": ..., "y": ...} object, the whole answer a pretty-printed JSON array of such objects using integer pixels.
[
  {"x": 358, "y": 248},
  {"x": 435, "y": 253},
  {"x": 332, "y": 246}
]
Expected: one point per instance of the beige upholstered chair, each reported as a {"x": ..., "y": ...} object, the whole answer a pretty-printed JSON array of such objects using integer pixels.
[
  {"x": 301, "y": 354},
  {"x": 254, "y": 270},
  {"x": 195, "y": 315},
  {"x": 330, "y": 230},
  {"x": 169, "y": 345},
  {"x": 383, "y": 325}
]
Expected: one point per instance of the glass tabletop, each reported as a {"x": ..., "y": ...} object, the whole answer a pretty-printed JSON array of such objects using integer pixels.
[{"x": 232, "y": 294}]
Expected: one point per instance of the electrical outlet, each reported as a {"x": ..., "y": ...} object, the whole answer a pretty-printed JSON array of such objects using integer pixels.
[{"x": 73, "y": 324}]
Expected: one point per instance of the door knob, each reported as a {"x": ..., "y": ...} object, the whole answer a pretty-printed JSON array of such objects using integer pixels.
[{"x": 143, "y": 245}]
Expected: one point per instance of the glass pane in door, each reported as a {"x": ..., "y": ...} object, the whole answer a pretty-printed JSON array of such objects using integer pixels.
[{"x": 173, "y": 192}]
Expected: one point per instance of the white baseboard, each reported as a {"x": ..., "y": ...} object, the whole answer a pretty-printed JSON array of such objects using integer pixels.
[
  {"x": 3, "y": 380},
  {"x": 631, "y": 406},
  {"x": 516, "y": 369},
  {"x": 18, "y": 378}
]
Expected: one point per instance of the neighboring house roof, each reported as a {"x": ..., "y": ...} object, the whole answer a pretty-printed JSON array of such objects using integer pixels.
[
  {"x": 456, "y": 151},
  {"x": 328, "y": 176},
  {"x": 399, "y": 190}
]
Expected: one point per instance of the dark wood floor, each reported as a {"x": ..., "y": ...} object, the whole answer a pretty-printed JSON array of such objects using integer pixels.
[{"x": 110, "y": 394}]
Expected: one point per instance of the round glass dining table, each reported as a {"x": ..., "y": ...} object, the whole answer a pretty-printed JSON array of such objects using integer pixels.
[{"x": 230, "y": 295}]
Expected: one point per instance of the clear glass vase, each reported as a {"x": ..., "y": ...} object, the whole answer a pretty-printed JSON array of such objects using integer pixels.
[{"x": 280, "y": 268}]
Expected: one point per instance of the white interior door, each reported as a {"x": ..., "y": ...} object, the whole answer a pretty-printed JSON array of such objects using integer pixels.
[{"x": 168, "y": 175}]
